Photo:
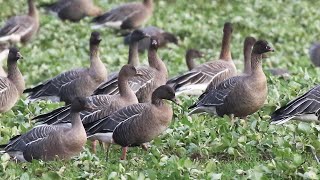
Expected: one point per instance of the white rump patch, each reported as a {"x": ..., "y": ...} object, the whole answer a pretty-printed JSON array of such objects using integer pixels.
[
  {"x": 104, "y": 137},
  {"x": 193, "y": 89},
  {"x": 115, "y": 24}
]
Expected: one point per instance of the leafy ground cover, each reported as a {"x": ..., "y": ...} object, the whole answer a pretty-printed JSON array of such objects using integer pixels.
[{"x": 197, "y": 147}]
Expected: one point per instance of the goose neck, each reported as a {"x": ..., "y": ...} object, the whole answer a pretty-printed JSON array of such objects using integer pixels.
[
  {"x": 256, "y": 64},
  {"x": 190, "y": 62},
  {"x": 133, "y": 54},
  {"x": 225, "y": 53},
  {"x": 32, "y": 9},
  {"x": 15, "y": 76}
]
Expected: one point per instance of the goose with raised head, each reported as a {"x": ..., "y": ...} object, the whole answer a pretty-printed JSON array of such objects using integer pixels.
[
  {"x": 21, "y": 28},
  {"x": 194, "y": 82},
  {"x": 152, "y": 77},
  {"x": 163, "y": 36},
  {"x": 126, "y": 16},
  {"x": 238, "y": 96},
  {"x": 50, "y": 142},
  {"x": 247, "y": 49},
  {"x": 103, "y": 105},
  {"x": 304, "y": 108},
  {"x": 73, "y": 10},
  {"x": 79, "y": 82},
  {"x": 12, "y": 85},
  {"x": 133, "y": 59},
  {"x": 135, "y": 124}
]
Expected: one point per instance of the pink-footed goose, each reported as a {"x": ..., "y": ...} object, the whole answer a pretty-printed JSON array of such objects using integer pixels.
[
  {"x": 73, "y": 10},
  {"x": 50, "y": 142},
  {"x": 21, "y": 28},
  {"x": 152, "y": 77},
  {"x": 163, "y": 36},
  {"x": 135, "y": 124},
  {"x": 79, "y": 82},
  {"x": 126, "y": 16},
  {"x": 238, "y": 96},
  {"x": 12, "y": 85},
  {"x": 194, "y": 82}
]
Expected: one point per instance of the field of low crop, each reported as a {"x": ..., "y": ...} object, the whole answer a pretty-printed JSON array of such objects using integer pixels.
[{"x": 197, "y": 147}]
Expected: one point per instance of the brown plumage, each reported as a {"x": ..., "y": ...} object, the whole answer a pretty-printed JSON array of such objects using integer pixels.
[
  {"x": 74, "y": 83},
  {"x": 135, "y": 124},
  {"x": 240, "y": 95},
  {"x": 152, "y": 77},
  {"x": 11, "y": 86},
  {"x": 73, "y": 10},
  {"x": 247, "y": 49},
  {"x": 50, "y": 142},
  {"x": 103, "y": 105},
  {"x": 194, "y": 82},
  {"x": 126, "y": 16},
  {"x": 21, "y": 28}
]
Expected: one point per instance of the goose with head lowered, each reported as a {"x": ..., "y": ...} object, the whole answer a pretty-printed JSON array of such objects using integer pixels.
[
  {"x": 163, "y": 36},
  {"x": 79, "y": 82},
  {"x": 152, "y": 76},
  {"x": 50, "y": 142},
  {"x": 21, "y": 28},
  {"x": 134, "y": 38},
  {"x": 135, "y": 124},
  {"x": 238, "y": 96},
  {"x": 194, "y": 82},
  {"x": 73, "y": 10},
  {"x": 126, "y": 16},
  {"x": 12, "y": 85}
]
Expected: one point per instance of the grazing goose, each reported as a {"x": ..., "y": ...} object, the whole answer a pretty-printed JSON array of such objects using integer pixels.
[
  {"x": 103, "y": 105},
  {"x": 304, "y": 108},
  {"x": 152, "y": 77},
  {"x": 73, "y": 10},
  {"x": 238, "y": 96},
  {"x": 126, "y": 16},
  {"x": 135, "y": 124},
  {"x": 314, "y": 53},
  {"x": 194, "y": 82},
  {"x": 191, "y": 54},
  {"x": 133, "y": 59},
  {"x": 11, "y": 86},
  {"x": 79, "y": 82},
  {"x": 50, "y": 142},
  {"x": 164, "y": 38},
  {"x": 21, "y": 28}
]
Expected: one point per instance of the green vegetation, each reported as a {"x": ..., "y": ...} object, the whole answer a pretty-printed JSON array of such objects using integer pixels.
[{"x": 197, "y": 147}]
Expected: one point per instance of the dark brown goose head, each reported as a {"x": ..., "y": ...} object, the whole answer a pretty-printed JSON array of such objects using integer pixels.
[
  {"x": 163, "y": 92},
  {"x": 14, "y": 55},
  {"x": 80, "y": 104},
  {"x": 261, "y": 47},
  {"x": 190, "y": 56},
  {"x": 137, "y": 35},
  {"x": 194, "y": 53},
  {"x": 128, "y": 71},
  {"x": 170, "y": 38},
  {"x": 95, "y": 38}
]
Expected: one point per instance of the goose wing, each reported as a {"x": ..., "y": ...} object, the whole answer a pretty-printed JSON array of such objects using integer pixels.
[
  {"x": 308, "y": 103},
  {"x": 108, "y": 124},
  {"x": 53, "y": 86},
  {"x": 16, "y": 27}
]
